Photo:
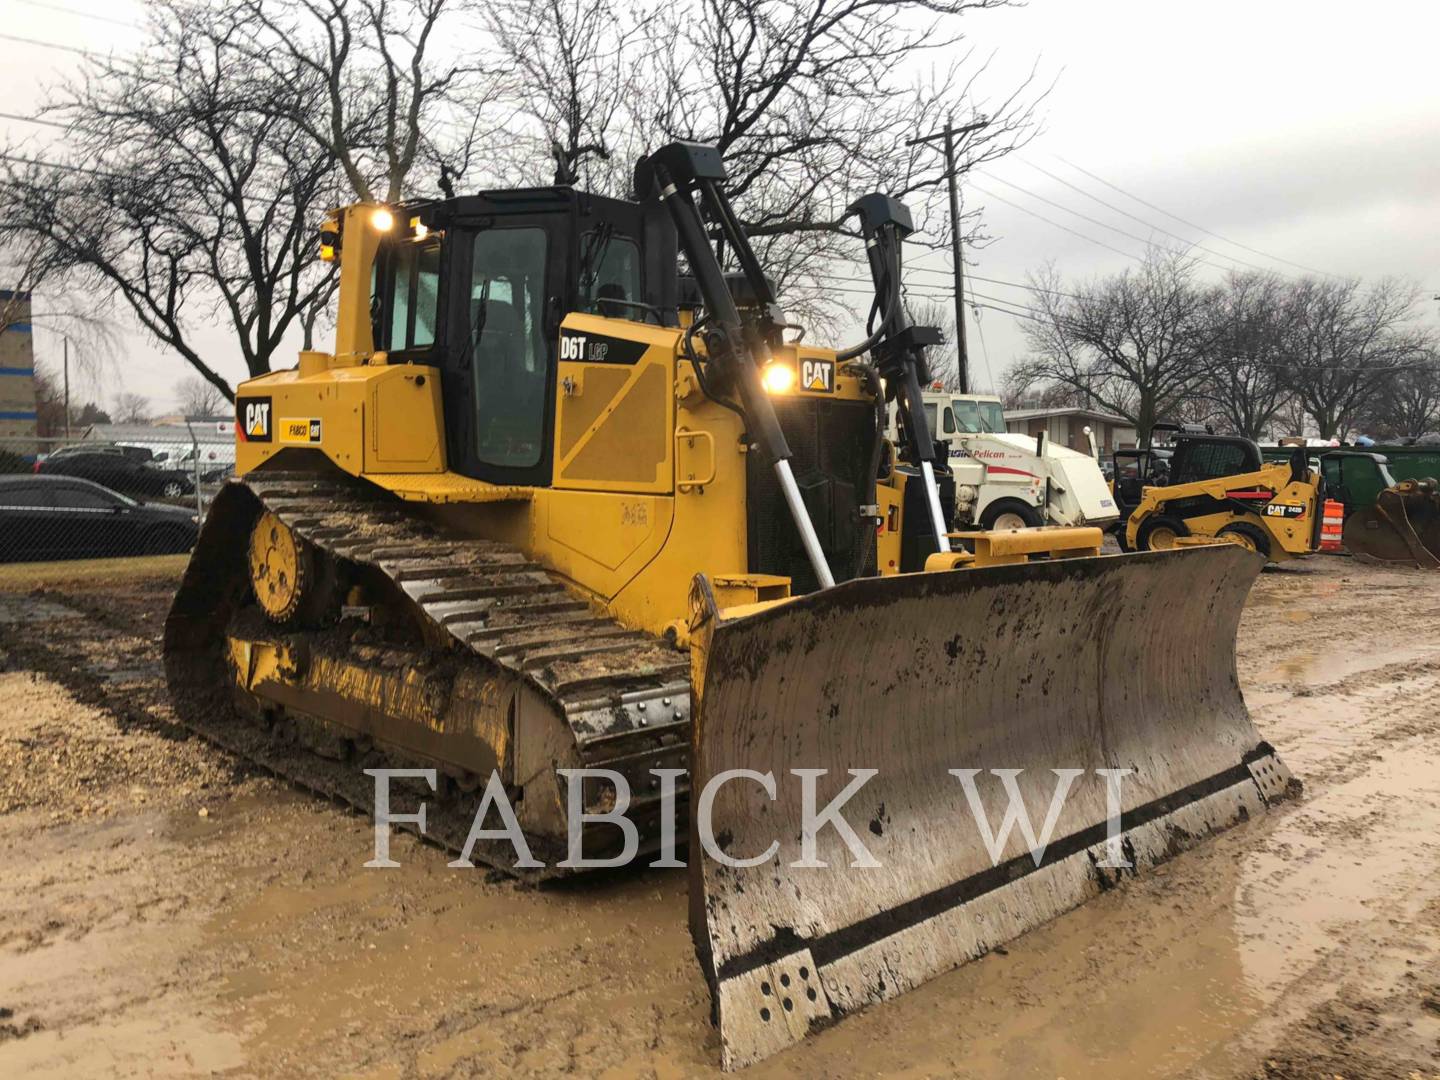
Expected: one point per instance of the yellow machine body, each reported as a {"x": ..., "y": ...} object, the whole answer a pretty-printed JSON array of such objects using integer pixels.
[
  {"x": 356, "y": 597},
  {"x": 1267, "y": 511}
]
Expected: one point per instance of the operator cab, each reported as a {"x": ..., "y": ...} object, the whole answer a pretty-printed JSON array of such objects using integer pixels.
[
  {"x": 478, "y": 286},
  {"x": 1210, "y": 457},
  {"x": 1135, "y": 470}
]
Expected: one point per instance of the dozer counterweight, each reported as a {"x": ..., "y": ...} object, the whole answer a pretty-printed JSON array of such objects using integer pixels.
[{"x": 531, "y": 515}]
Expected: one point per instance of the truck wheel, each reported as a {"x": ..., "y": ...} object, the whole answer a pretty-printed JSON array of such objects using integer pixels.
[
  {"x": 1248, "y": 536},
  {"x": 1010, "y": 514},
  {"x": 1159, "y": 533}
]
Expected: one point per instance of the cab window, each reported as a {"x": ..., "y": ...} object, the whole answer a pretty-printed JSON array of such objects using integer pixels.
[
  {"x": 974, "y": 417},
  {"x": 609, "y": 272},
  {"x": 1196, "y": 460},
  {"x": 413, "y": 283},
  {"x": 507, "y": 346},
  {"x": 949, "y": 422}
]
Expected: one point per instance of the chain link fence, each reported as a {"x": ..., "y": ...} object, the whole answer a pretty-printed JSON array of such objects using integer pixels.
[{"x": 95, "y": 498}]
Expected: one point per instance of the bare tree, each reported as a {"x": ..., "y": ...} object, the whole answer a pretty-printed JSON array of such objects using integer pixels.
[
  {"x": 1290, "y": 419},
  {"x": 1408, "y": 402},
  {"x": 812, "y": 103},
  {"x": 1344, "y": 343},
  {"x": 91, "y": 413},
  {"x": 393, "y": 92},
  {"x": 1134, "y": 344},
  {"x": 579, "y": 71},
  {"x": 200, "y": 196},
  {"x": 132, "y": 408},
  {"x": 49, "y": 404},
  {"x": 1245, "y": 384},
  {"x": 198, "y": 398}
]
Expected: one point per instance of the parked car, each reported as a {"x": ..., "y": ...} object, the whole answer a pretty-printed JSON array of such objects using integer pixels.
[
  {"x": 119, "y": 472},
  {"x": 63, "y": 517},
  {"x": 140, "y": 454},
  {"x": 217, "y": 463}
]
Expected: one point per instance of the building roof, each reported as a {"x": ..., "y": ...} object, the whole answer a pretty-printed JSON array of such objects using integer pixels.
[{"x": 1088, "y": 414}]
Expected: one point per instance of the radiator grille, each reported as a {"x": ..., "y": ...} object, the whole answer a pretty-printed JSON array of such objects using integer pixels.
[{"x": 831, "y": 442}]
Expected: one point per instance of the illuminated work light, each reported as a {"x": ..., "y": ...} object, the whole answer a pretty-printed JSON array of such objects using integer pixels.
[{"x": 778, "y": 378}]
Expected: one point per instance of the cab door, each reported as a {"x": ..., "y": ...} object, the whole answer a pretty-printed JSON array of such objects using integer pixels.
[{"x": 1131, "y": 468}]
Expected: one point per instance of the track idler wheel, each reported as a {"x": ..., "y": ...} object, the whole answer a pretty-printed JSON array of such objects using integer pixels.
[{"x": 290, "y": 579}]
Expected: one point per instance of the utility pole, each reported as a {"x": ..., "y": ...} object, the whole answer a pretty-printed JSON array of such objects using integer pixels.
[
  {"x": 66, "y": 368},
  {"x": 952, "y": 175}
]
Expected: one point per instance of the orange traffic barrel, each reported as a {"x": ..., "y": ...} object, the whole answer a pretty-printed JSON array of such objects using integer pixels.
[{"x": 1332, "y": 526}]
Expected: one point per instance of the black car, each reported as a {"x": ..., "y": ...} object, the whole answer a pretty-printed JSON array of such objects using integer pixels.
[
  {"x": 139, "y": 454},
  {"x": 119, "y": 472},
  {"x": 62, "y": 517}
]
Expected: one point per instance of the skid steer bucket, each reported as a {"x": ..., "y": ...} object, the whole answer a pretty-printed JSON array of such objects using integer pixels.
[
  {"x": 1402, "y": 526},
  {"x": 1108, "y": 663}
]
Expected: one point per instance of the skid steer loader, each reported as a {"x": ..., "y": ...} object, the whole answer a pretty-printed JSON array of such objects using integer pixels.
[
  {"x": 527, "y": 523},
  {"x": 1219, "y": 486}
]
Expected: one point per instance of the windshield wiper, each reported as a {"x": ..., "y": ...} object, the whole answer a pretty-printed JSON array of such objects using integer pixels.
[
  {"x": 597, "y": 243},
  {"x": 477, "y": 327}
]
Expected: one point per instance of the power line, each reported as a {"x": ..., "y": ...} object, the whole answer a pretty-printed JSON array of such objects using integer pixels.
[
  {"x": 62, "y": 166},
  {"x": 1191, "y": 224},
  {"x": 984, "y": 348},
  {"x": 1092, "y": 221},
  {"x": 81, "y": 13},
  {"x": 52, "y": 45},
  {"x": 1032, "y": 315},
  {"x": 970, "y": 274},
  {"x": 34, "y": 120},
  {"x": 1053, "y": 224},
  {"x": 1143, "y": 221}
]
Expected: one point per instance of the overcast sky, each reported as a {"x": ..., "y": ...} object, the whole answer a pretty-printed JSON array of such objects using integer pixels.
[{"x": 1308, "y": 130}]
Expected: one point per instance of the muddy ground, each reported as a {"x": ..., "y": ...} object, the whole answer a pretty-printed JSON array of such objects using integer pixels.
[{"x": 169, "y": 912}]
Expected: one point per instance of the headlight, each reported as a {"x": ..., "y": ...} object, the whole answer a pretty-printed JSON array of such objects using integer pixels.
[
  {"x": 382, "y": 219},
  {"x": 778, "y": 378}
]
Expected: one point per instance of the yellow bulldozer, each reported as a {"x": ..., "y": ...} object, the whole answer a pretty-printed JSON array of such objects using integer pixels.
[{"x": 542, "y": 521}]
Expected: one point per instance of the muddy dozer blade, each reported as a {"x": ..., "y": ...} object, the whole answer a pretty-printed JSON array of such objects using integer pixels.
[
  {"x": 1402, "y": 526},
  {"x": 1118, "y": 662}
]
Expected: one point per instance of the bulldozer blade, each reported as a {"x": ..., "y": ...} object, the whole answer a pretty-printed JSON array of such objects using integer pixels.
[
  {"x": 1402, "y": 526},
  {"x": 1120, "y": 662}
]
